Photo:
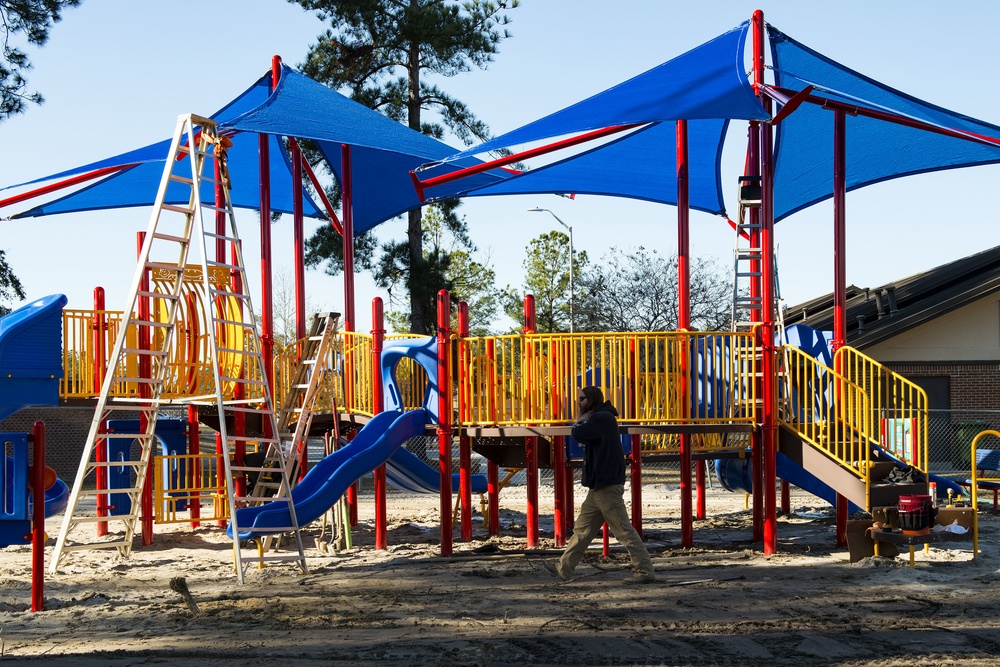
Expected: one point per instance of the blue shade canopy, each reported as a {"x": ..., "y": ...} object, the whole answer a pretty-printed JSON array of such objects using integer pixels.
[
  {"x": 383, "y": 151},
  {"x": 877, "y": 150},
  {"x": 707, "y": 82},
  {"x": 641, "y": 165},
  {"x": 137, "y": 186}
]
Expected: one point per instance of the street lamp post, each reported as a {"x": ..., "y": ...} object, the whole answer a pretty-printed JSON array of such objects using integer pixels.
[{"x": 570, "y": 230}]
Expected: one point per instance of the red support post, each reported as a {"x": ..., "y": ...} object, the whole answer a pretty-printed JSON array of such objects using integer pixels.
[
  {"x": 194, "y": 469},
  {"x": 684, "y": 317},
  {"x": 100, "y": 352},
  {"x": 768, "y": 365},
  {"x": 239, "y": 391},
  {"x": 464, "y": 442},
  {"x": 635, "y": 440},
  {"x": 266, "y": 277},
  {"x": 38, "y": 517},
  {"x": 840, "y": 271},
  {"x": 347, "y": 215},
  {"x": 145, "y": 371},
  {"x": 347, "y": 202},
  {"x": 444, "y": 415},
  {"x": 298, "y": 234},
  {"x": 492, "y": 469},
  {"x": 530, "y": 443},
  {"x": 378, "y": 404}
]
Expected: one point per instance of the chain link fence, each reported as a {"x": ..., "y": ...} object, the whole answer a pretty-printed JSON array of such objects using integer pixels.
[{"x": 950, "y": 434}]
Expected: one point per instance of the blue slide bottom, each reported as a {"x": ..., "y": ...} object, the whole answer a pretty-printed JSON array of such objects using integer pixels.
[
  {"x": 329, "y": 479},
  {"x": 404, "y": 470},
  {"x": 737, "y": 475}
]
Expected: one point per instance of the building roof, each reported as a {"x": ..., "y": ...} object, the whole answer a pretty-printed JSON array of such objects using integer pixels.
[{"x": 875, "y": 314}]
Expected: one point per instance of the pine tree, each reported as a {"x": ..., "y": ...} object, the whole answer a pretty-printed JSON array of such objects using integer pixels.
[
  {"x": 378, "y": 50},
  {"x": 32, "y": 20}
]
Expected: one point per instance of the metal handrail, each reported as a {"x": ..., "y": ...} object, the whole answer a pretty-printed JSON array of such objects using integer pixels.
[
  {"x": 827, "y": 410},
  {"x": 892, "y": 397}
]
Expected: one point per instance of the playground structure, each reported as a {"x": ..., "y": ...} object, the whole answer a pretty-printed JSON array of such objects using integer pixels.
[{"x": 691, "y": 396}]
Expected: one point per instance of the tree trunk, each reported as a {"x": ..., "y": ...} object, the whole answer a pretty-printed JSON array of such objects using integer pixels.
[{"x": 414, "y": 227}]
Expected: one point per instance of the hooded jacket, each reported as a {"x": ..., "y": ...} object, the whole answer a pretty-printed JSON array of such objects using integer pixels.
[{"x": 604, "y": 458}]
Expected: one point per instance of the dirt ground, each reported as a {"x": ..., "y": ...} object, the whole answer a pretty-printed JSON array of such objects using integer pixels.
[{"x": 493, "y": 603}]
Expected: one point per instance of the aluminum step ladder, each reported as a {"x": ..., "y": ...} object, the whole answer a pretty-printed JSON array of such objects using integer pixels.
[{"x": 152, "y": 315}]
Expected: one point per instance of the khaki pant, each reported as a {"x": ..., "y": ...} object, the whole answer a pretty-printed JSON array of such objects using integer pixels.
[{"x": 605, "y": 505}]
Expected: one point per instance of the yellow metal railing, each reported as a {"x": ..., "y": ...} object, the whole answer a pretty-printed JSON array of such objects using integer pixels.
[
  {"x": 827, "y": 410},
  {"x": 534, "y": 378},
  {"x": 183, "y": 480},
  {"x": 514, "y": 379},
  {"x": 892, "y": 398}
]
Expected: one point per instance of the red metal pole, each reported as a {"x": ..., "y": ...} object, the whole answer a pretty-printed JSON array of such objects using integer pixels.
[
  {"x": 347, "y": 199},
  {"x": 145, "y": 371},
  {"x": 266, "y": 277},
  {"x": 99, "y": 338},
  {"x": 753, "y": 169},
  {"x": 422, "y": 186},
  {"x": 464, "y": 442},
  {"x": 239, "y": 391},
  {"x": 635, "y": 441},
  {"x": 53, "y": 187},
  {"x": 530, "y": 443},
  {"x": 194, "y": 469},
  {"x": 378, "y": 403},
  {"x": 492, "y": 468},
  {"x": 684, "y": 318},
  {"x": 444, "y": 415},
  {"x": 768, "y": 366},
  {"x": 347, "y": 202},
  {"x": 38, "y": 518},
  {"x": 840, "y": 271},
  {"x": 220, "y": 472},
  {"x": 557, "y": 363},
  {"x": 334, "y": 220},
  {"x": 299, "y": 242}
]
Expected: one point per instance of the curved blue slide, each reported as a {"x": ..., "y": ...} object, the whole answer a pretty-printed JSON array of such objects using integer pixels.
[
  {"x": 737, "y": 475},
  {"x": 328, "y": 480},
  {"x": 404, "y": 470}
]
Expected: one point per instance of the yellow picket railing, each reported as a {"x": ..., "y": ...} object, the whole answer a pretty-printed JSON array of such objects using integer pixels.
[
  {"x": 534, "y": 378},
  {"x": 892, "y": 398},
  {"x": 827, "y": 410},
  {"x": 183, "y": 480}
]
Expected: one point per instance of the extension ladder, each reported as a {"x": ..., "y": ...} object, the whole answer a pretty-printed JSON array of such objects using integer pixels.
[
  {"x": 237, "y": 363},
  {"x": 296, "y": 415},
  {"x": 748, "y": 259}
]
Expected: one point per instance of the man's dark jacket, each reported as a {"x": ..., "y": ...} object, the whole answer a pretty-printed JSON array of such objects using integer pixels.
[{"x": 604, "y": 458}]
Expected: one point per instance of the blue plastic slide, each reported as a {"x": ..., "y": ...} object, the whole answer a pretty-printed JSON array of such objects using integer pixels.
[
  {"x": 737, "y": 475},
  {"x": 328, "y": 480},
  {"x": 404, "y": 470}
]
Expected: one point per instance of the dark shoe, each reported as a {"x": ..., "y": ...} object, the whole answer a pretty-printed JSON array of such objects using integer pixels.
[
  {"x": 640, "y": 578},
  {"x": 554, "y": 568}
]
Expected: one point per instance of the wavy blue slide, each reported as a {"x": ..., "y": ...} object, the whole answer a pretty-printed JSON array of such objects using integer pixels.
[
  {"x": 404, "y": 470},
  {"x": 328, "y": 480}
]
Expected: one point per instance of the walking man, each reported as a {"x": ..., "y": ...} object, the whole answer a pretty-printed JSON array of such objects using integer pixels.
[{"x": 604, "y": 475}]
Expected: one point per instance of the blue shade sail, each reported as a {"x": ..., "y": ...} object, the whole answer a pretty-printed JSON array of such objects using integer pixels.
[
  {"x": 137, "y": 186},
  {"x": 877, "y": 150}
]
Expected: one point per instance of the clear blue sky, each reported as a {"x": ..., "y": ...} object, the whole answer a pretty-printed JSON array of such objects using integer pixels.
[{"x": 116, "y": 75}]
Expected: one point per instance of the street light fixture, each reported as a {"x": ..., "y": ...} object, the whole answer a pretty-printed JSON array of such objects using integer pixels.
[{"x": 570, "y": 230}]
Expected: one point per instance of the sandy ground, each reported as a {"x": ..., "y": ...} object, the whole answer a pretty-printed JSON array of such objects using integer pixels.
[{"x": 720, "y": 603}]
